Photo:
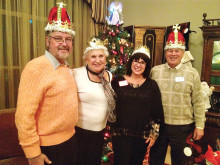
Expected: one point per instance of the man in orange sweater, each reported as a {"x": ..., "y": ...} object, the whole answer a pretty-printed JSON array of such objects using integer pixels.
[{"x": 47, "y": 108}]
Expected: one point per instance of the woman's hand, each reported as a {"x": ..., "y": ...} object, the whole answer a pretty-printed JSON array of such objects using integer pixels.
[{"x": 151, "y": 142}]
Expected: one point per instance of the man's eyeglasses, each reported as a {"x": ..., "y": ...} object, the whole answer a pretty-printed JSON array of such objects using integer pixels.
[
  {"x": 139, "y": 62},
  {"x": 60, "y": 40}
]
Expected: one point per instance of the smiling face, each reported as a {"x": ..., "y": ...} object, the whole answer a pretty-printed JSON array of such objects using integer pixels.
[
  {"x": 60, "y": 50},
  {"x": 138, "y": 66},
  {"x": 174, "y": 56},
  {"x": 96, "y": 60}
]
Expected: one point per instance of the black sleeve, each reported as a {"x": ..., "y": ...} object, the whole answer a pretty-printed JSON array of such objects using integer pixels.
[{"x": 157, "y": 111}]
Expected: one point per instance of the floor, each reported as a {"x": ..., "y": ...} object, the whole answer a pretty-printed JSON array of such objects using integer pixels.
[{"x": 168, "y": 159}]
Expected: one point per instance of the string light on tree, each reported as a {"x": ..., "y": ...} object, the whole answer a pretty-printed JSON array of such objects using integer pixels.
[{"x": 116, "y": 40}]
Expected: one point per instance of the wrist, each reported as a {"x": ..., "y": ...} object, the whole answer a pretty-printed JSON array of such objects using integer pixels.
[{"x": 33, "y": 157}]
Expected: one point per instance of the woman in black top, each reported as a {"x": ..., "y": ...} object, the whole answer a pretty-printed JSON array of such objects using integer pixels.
[{"x": 139, "y": 111}]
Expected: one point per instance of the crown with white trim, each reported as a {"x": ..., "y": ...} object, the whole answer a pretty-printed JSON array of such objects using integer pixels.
[
  {"x": 175, "y": 39},
  {"x": 59, "y": 20},
  {"x": 143, "y": 50},
  {"x": 96, "y": 44}
]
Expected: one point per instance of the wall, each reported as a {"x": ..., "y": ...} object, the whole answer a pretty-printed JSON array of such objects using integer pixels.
[{"x": 169, "y": 12}]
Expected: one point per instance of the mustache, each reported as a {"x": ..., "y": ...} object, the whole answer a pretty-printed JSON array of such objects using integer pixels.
[{"x": 63, "y": 48}]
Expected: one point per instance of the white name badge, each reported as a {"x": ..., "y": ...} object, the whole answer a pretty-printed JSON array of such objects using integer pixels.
[
  {"x": 179, "y": 79},
  {"x": 123, "y": 83}
]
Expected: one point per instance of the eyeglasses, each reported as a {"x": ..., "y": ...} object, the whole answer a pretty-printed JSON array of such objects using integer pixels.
[
  {"x": 139, "y": 62},
  {"x": 60, "y": 40}
]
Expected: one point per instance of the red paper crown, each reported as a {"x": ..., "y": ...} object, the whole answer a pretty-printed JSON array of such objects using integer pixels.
[
  {"x": 175, "y": 39},
  {"x": 59, "y": 20}
]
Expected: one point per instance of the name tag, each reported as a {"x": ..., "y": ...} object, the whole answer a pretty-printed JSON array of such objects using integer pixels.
[
  {"x": 123, "y": 83},
  {"x": 179, "y": 79}
]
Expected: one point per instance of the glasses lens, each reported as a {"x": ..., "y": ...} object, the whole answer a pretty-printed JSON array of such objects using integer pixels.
[
  {"x": 68, "y": 40},
  {"x": 139, "y": 62},
  {"x": 60, "y": 40}
]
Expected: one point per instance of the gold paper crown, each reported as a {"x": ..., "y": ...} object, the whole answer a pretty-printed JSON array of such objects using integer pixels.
[
  {"x": 96, "y": 44},
  {"x": 143, "y": 50}
]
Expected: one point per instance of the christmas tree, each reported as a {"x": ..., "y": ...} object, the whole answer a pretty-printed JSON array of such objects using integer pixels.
[
  {"x": 108, "y": 155},
  {"x": 116, "y": 39}
]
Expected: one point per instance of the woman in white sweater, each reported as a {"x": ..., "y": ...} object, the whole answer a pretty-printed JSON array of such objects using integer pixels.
[{"x": 96, "y": 103}]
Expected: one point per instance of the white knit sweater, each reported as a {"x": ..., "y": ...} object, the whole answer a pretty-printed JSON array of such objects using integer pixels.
[{"x": 92, "y": 102}]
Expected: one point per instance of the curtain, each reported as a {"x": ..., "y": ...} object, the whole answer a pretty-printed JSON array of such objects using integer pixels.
[
  {"x": 99, "y": 9},
  {"x": 22, "y": 37}
]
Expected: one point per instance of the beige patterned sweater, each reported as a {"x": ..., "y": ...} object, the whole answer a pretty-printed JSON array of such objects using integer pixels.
[{"x": 182, "y": 96}]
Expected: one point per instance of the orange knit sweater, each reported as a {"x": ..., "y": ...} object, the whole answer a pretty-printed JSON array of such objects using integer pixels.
[{"x": 47, "y": 108}]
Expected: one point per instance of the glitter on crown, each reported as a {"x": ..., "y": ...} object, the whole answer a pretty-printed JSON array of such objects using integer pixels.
[
  {"x": 61, "y": 4},
  {"x": 143, "y": 50},
  {"x": 96, "y": 42},
  {"x": 175, "y": 39},
  {"x": 59, "y": 20}
]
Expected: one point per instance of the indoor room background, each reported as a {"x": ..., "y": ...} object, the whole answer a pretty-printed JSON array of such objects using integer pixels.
[{"x": 16, "y": 51}]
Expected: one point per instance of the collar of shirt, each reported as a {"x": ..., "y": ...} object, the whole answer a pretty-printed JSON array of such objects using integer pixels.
[
  {"x": 55, "y": 63},
  {"x": 177, "y": 67}
]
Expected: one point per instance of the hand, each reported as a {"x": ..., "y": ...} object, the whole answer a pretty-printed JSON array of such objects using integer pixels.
[
  {"x": 198, "y": 133},
  {"x": 151, "y": 142},
  {"x": 39, "y": 160}
]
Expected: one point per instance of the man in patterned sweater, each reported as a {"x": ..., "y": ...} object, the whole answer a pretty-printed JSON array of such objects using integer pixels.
[
  {"x": 47, "y": 107},
  {"x": 182, "y": 99}
]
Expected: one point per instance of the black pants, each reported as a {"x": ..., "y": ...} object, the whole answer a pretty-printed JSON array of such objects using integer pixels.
[
  {"x": 128, "y": 150},
  {"x": 61, "y": 154},
  {"x": 175, "y": 135},
  {"x": 90, "y": 146}
]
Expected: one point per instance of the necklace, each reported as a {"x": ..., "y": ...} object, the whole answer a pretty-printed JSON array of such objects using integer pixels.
[{"x": 136, "y": 82}]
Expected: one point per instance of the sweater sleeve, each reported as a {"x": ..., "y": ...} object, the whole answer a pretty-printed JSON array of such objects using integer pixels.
[
  {"x": 30, "y": 94},
  {"x": 198, "y": 102}
]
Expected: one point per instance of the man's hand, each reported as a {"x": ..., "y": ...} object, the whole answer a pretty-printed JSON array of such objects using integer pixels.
[
  {"x": 39, "y": 160},
  {"x": 198, "y": 133}
]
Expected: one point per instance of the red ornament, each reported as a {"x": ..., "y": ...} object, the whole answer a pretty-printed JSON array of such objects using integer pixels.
[
  {"x": 117, "y": 31},
  {"x": 122, "y": 49},
  {"x": 121, "y": 60},
  {"x": 109, "y": 33},
  {"x": 117, "y": 25},
  {"x": 107, "y": 134},
  {"x": 114, "y": 52},
  {"x": 113, "y": 34}
]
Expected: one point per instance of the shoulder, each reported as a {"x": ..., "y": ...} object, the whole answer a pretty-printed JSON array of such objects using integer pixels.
[
  {"x": 156, "y": 71},
  {"x": 79, "y": 71},
  {"x": 36, "y": 69},
  {"x": 190, "y": 69},
  {"x": 158, "y": 67},
  {"x": 152, "y": 83},
  {"x": 116, "y": 80},
  {"x": 37, "y": 65},
  {"x": 38, "y": 61}
]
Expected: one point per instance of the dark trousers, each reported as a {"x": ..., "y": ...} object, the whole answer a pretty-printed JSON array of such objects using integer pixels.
[
  {"x": 128, "y": 150},
  {"x": 61, "y": 154},
  {"x": 90, "y": 146},
  {"x": 175, "y": 136}
]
